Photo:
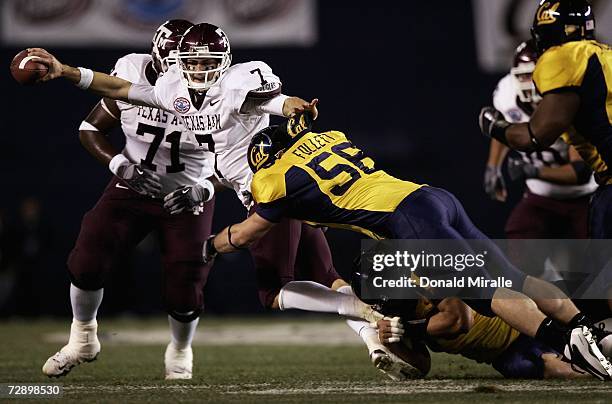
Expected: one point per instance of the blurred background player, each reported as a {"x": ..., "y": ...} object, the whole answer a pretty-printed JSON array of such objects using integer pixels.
[
  {"x": 222, "y": 106},
  {"x": 574, "y": 76},
  {"x": 559, "y": 183},
  {"x": 156, "y": 160},
  {"x": 322, "y": 178}
]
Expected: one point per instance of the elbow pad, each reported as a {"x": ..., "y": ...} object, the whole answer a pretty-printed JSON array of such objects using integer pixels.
[{"x": 583, "y": 172}]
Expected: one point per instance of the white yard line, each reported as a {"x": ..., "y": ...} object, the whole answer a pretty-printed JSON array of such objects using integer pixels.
[
  {"x": 267, "y": 333},
  {"x": 412, "y": 387}
]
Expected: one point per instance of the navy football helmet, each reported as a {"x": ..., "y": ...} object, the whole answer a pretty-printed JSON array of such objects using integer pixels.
[
  {"x": 265, "y": 147},
  {"x": 559, "y": 21},
  {"x": 267, "y": 144}
]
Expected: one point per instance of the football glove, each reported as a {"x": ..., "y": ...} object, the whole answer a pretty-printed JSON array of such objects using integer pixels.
[
  {"x": 494, "y": 183},
  {"x": 136, "y": 177},
  {"x": 519, "y": 169},
  {"x": 493, "y": 125},
  {"x": 189, "y": 197}
]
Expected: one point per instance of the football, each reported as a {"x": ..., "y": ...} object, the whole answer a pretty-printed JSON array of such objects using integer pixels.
[
  {"x": 413, "y": 352},
  {"x": 25, "y": 69}
]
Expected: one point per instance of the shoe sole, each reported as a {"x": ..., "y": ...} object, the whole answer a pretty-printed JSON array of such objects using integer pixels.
[
  {"x": 583, "y": 365},
  {"x": 179, "y": 377},
  {"x": 67, "y": 369},
  {"x": 595, "y": 351},
  {"x": 396, "y": 370}
]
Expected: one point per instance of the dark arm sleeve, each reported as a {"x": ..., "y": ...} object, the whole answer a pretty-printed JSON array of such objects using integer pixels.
[{"x": 272, "y": 211}]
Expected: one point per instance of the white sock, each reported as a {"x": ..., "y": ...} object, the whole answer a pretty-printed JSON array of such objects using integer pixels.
[
  {"x": 312, "y": 296},
  {"x": 182, "y": 333},
  {"x": 85, "y": 303},
  {"x": 347, "y": 290},
  {"x": 368, "y": 334}
]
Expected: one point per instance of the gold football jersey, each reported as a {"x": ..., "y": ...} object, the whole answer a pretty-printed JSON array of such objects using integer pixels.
[
  {"x": 584, "y": 67},
  {"x": 324, "y": 179},
  {"x": 488, "y": 338}
]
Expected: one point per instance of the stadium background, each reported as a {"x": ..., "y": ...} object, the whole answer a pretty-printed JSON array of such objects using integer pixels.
[{"x": 402, "y": 79}]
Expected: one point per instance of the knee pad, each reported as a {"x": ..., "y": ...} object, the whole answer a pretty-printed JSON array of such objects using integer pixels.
[{"x": 86, "y": 281}]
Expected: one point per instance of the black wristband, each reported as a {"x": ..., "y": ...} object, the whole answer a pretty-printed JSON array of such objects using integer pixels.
[
  {"x": 498, "y": 132},
  {"x": 229, "y": 237}
]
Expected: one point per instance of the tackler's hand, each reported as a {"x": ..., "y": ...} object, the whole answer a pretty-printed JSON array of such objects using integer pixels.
[{"x": 390, "y": 330}]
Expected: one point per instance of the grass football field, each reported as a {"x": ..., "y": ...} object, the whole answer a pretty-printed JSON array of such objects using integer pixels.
[{"x": 259, "y": 360}]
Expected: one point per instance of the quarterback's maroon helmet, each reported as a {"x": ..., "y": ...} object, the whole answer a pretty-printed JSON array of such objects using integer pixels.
[
  {"x": 204, "y": 43},
  {"x": 165, "y": 43}
]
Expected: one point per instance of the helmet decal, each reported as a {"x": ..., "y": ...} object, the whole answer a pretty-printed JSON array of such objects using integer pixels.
[
  {"x": 547, "y": 13},
  {"x": 258, "y": 155}
]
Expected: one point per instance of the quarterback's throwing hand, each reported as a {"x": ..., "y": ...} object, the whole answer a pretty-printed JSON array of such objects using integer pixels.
[{"x": 54, "y": 65}]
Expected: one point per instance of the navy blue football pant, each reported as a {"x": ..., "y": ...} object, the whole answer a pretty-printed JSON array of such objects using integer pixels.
[
  {"x": 523, "y": 359},
  {"x": 434, "y": 213}
]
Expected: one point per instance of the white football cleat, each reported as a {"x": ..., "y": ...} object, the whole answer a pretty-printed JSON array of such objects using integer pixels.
[
  {"x": 605, "y": 342},
  {"x": 179, "y": 363},
  {"x": 583, "y": 352},
  {"x": 83, "y": 346},
  {"x": 393, "y": 366}
]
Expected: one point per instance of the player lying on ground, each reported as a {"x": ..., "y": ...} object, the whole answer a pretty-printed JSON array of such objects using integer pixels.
[
  {"x": 221, "y": 107},
  {"x": 453, "y": 327},
  {"x": 574, "y": 76},
  {"x": 156, "y": 161},
  {"x": 323, "y": 178}
]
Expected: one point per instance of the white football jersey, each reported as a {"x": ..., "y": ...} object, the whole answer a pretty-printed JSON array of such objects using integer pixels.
[
  {"x": 219, "y": 125},
  {"x": 505, "y": 101},
  {"x": 155, "y": 138}
]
